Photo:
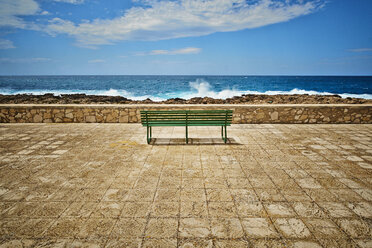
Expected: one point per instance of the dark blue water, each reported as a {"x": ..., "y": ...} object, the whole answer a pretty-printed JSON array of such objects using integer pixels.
[{"x": 164, "y": 87}]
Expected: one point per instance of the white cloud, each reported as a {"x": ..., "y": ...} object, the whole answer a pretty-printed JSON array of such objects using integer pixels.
[
  {"x": 44, "y": 13},
  {"x": 10, "y": 10},
  {"x": 360, "y": 50},
  {"x": 71, "y": 1},
  {"x": 168, "y": 19},
  {"x": 23, "y": 60},
  {"x": 6, "y": 44},
  {"x": 186, "y": 50},
  {"x": 96, "y": 61}
]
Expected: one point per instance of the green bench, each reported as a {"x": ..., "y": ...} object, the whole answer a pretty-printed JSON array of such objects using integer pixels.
[{"x": 186, "y": 118}]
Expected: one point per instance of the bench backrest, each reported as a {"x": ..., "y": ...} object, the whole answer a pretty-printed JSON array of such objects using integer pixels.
[{"x": 187, "y": 118}]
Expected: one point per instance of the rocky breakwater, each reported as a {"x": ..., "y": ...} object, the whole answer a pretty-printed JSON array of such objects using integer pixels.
[{"x": 243, "y": 99}]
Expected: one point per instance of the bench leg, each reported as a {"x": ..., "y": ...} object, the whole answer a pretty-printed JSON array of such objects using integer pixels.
[
  {"x": 225, "y": 135},
  {"x": 187, "y": 135},
  {"x": 147, "y": 133}
]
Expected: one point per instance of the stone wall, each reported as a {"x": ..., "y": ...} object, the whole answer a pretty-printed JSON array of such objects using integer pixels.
[{"x": 299, "y": 113}]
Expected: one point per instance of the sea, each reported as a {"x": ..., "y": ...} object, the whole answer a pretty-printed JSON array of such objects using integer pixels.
[{"x": 160, "y": 88}]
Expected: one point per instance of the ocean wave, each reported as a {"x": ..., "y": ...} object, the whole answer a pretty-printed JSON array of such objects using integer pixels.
[
  {"x": 201, "y": 88},
  {"x": 198, "y": 88}
]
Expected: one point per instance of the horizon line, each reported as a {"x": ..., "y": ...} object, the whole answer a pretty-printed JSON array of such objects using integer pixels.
[{"x": 202, "y": 75}]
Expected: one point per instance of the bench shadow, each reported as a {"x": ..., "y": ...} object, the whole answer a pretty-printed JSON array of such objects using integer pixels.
[{"x": 192, "y": 141}]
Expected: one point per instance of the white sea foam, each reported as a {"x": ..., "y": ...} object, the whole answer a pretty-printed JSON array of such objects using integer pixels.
[{"x": 199, "y": 88}]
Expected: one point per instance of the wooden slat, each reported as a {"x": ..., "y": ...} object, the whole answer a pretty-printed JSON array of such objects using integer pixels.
[{"x": 186, "y": 117}]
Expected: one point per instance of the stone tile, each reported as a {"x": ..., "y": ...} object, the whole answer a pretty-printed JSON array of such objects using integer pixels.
[
  {"x": 366, "y": 194},
  {"x": 141, "y": 195},
  {"x": 128, "y": 228},
  {"x": 166, "y": 243},
  {"x": 168, "y": 195},
  {"x": 262, "y": 243},
  {"x": 308, "y": 209},
  {"x": 296, "y": 195},
  {"x": 115, "y": 195},
  {"x": 238, "y": 183},
  {"x": 136, "y": 209},
  {"x": 17, "y": 243},
  {"x": 124, "y": 243},
  {"x": 193, "y": 183},
  {"x": 258, "y": 228},
  {"x": 96, "y": 228},
  {"x": 244, "y": 195},
  {"x": 279, "y": 209},
  {"x": 54, "y": 243},
  {"x": 292, "y": 228},
  {"x": 364, "y": 243},
  {"x": 34, "y": 228},
  {"x": 322, "y": 228},
  {"x": 193, "y": 195},
  {"x": 331, "y": 183},
  {"x": 351, "y": 183},
  {"x": 253, "y": 209},
  {"x": 269, "y": 195},
  {"x": 194, "y": 209},
  {"x": 226, "y": 228},
  {"x": 222, "y": 209},
  {"x": 363, "y": 209},
  {"x": 321, "y": 195},
  {"x": 195, "y": 242},
  {"x": 218, "y": 195},
  {"x": 162, "y": 228},
  {"x": 192, "y": 173},
  {"x": 215, "y": 183},
  {"x": 302, "y": 244},
  {"x": 261, "y": 182},
  {"x": 23, "y": 209},
  {"x": 308, "y": 183},
  {"x": 146, "y": 182},
  {"x": 65, "y": 228},
  {"x": 123, "y": 182},
  {"x": 346, "y": 195},
  {"x": 80, "y": 209},
  {"x": 194, "y": 228},
  {"x": 231, "y": 243},
  {"x": 355, "y": 228},
  {"x": 108, "y": 209},
  {"x": 337, "y": 242},
  {"x": 165, "y": 209},
  {"x": 336, "y": 209},
  {"x": 169, "y": 183}
]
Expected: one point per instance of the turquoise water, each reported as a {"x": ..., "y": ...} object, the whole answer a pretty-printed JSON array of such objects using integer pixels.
[{"x": 165, "y": 87}]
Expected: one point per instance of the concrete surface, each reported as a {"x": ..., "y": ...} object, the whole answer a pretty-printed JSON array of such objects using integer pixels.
[{"x": 101, "y": 185}]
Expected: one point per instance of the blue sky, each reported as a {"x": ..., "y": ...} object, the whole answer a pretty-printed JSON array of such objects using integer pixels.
[{"x": 186, "y": 37}]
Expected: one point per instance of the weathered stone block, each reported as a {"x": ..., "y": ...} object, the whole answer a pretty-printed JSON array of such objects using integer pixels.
[
  {"x": 38, "y": 118},
  {"x": 90, "y": 119}
]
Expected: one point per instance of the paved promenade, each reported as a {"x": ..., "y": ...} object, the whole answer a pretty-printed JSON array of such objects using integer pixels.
[{"x": 101, "y": 185}]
